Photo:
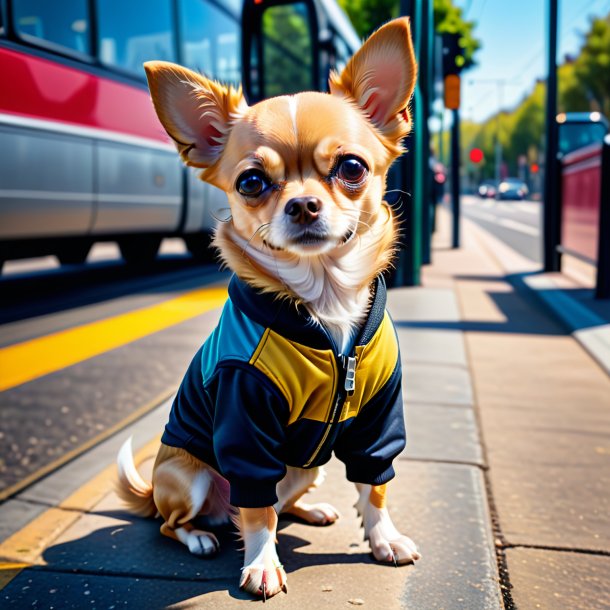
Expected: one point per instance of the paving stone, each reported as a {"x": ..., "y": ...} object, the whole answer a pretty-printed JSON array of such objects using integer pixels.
[
  {"x": 423, "y": 304},
  {"x": 554, "y": 579},
  {"x": 445, "y": 508},
  {"x": 437, "y": 384},
  {"x": 442, "y": 433},
  {"x": 545, "y": 418},
  {"x": 550, "y": 475},
  {"x": 431, "y": 346}
]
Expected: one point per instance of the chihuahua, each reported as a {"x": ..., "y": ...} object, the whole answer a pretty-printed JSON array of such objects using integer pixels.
[{"x": 304, "y": 362}]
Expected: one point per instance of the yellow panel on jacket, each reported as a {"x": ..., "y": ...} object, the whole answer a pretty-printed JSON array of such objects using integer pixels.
[{"x": 308, "y": 377}]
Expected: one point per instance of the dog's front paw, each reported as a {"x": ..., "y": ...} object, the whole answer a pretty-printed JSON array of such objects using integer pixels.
[
  {"x": 314, "y": 514},
  {"x": 387, "y": 543},
  {"x": 263, "y": 580}
]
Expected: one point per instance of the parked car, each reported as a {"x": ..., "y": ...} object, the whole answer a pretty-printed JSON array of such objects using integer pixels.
[
  {"x": 580, "y": 129},
  {"x": 512, "y": 188},
  {"x": 487, "y": 189}
]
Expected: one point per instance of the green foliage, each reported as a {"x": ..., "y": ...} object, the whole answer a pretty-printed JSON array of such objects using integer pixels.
[
  {"x": 286, "y": 51},
  {"x": 368, "y": 15},
  {"x": 588, "y": 87},
  {"x": 448, "y": 19}
]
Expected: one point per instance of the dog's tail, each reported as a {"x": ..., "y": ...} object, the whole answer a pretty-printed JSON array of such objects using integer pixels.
[{"x": 131, "y": 487}]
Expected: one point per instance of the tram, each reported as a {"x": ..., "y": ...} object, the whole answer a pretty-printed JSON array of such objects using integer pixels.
[{"x": 83, "y": 157}]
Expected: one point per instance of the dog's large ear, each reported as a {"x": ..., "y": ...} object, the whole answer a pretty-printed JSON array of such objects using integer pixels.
[
  {"x": 196, "y": 112},
  {"x": 380, "y": 77}
]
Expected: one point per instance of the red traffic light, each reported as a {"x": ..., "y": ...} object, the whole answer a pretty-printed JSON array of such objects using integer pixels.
[{"x": 476, "y": 155}]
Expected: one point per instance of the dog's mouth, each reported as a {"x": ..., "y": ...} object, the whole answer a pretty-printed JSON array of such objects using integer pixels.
[{"x": 311, "y": 240}]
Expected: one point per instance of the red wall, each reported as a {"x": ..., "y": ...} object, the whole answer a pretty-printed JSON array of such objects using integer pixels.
[{"x": 580, "y": 200}]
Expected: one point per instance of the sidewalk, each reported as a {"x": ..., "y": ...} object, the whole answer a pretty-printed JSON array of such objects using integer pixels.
[{"x": 505, "y": 483}]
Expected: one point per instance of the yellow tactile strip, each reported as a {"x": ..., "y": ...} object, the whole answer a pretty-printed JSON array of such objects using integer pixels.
[
  {"x": 32, "y": 359},
  {"x": 25, "y": 547}
]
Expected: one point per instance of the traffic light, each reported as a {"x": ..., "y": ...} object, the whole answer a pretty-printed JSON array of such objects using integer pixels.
[
  {"x": 452, "y": 91},
  {"x": 453, "y": 54},
  {"x": 476, "y": 155}
]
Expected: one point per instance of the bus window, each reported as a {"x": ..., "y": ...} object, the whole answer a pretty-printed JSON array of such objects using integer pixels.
[
  {"x": 573, "y": 136},
  {"x": 40, "y": 21},
  {"x": 342, "y": 54},
  {"x": 234, "y": 5},
  {"x": 287, "y": 50},
  {"x": 133, "y": 32},
  {"x": 210, "y": 41}
]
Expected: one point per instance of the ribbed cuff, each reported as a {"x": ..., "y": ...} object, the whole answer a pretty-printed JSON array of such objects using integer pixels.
[
  {"x": 356, "y": 473},
  {"x": 253, "y": 494}
]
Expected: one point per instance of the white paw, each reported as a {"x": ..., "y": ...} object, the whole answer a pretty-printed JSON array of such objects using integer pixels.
[
  {"x": 263, "y": 580},
  {"x": 200, "y": 543},
  {"x": 387, "y": 543},
  {"x": 262, "y": 575},
  {"x": 314, "y": 514}
]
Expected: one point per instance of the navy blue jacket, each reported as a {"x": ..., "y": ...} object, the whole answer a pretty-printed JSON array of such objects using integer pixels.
[{"x": 269, "y": 388}]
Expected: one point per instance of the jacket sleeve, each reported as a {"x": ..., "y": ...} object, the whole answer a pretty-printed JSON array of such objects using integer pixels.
[
  {"x": 249, "y": 422},
  {"x": 375, "y": 436}
]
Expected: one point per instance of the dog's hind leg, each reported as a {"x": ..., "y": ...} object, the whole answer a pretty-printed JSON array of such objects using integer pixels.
[
  {"x": 387, "y": 543},
  {"x": 296, "y": 483},
  {"x": 181, "y": 485}
]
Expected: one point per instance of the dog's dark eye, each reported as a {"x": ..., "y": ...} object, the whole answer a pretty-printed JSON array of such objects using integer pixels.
[
  {"x": 252, "y": 183},
  {"x": 351, "y": 169}
]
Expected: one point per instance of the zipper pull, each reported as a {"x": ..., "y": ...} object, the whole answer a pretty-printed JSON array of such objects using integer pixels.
[{"x": 349, "y": 364}]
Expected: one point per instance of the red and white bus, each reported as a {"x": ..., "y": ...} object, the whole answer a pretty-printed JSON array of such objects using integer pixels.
[{"x": 83, "y": 157}]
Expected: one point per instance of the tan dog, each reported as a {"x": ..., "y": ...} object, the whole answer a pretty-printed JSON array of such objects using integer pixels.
[{"x": 305, "y": 360}]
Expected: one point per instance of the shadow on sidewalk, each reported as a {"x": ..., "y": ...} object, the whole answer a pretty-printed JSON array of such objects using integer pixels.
[
  {"x": 133, "y": 550},
  {"x": 516, "y": 311}
]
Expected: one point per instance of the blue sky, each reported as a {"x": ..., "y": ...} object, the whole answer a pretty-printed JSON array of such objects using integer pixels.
[{"x": 514, "y": 48}]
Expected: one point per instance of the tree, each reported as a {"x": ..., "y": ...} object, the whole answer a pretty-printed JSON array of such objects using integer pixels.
[
  {"x": 589, "y": 87},
  {"x": 448, "y": 19},
  {"x": 368, "y": 15}
]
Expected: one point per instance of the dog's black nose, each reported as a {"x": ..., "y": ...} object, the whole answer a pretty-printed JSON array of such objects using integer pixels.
[{"x": 303, "y": 210}]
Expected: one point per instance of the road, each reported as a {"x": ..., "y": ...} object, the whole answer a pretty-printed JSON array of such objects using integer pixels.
[
  {"x": 86, "y": 349},
  {"x": 517, "y": 223}
]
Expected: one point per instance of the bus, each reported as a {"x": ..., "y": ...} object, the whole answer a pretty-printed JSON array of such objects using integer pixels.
[{"x": 83, "y": 156}]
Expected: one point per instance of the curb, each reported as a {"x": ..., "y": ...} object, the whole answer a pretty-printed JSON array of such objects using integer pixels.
[{"x": 589, "y": 329}]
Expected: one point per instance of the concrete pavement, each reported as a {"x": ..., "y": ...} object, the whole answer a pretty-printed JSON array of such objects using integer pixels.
[{"x": 504, "y": 484}]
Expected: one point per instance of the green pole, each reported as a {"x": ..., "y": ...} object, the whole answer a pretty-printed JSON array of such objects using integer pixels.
[
  {"x": 408, "y": 272},
  {"x": 426, "y": 81}
]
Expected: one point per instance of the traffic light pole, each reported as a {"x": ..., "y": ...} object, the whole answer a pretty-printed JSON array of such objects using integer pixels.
[
  {"x": 426, "y": 81},
  {"x": 455, "y": 177},
  {"x": 408, "y": 271},
  {"x": 552, "y": 229}
]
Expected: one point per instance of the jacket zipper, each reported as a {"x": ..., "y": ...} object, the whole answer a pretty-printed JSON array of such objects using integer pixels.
[{"x": 348, "y": 380}]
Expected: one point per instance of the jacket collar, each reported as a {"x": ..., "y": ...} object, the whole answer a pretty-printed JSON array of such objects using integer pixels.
[{"x": 293, "y": 321}]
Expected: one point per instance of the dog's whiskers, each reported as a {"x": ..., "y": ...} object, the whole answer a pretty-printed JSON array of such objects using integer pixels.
[{"x": 260, "y": 228}]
